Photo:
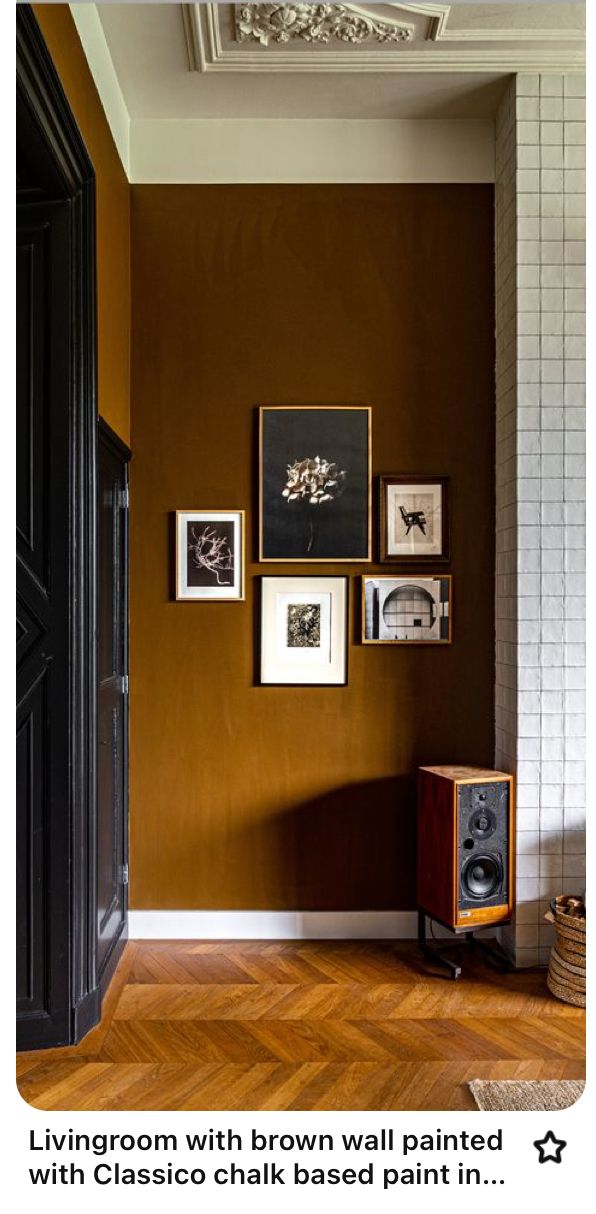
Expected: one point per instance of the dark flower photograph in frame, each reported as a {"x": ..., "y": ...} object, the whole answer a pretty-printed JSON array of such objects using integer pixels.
[
  {"x": 315, "y": 483},
  {"x": 210, "y": 554}
]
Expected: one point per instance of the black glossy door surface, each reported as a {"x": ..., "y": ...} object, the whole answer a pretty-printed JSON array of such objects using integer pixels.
[
  {"x": 42, "y": 577},
  {"x": 58, "y": 996},
  {"x": 112, "y": 825}
]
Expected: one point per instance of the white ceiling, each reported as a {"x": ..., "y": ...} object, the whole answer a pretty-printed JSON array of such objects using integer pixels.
[
  {"x": 149, "y": 50},
  {"x": 201, "y": 92}
]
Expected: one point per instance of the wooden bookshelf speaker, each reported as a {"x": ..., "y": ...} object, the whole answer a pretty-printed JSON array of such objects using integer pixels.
[{"x": 465, "y": 846}]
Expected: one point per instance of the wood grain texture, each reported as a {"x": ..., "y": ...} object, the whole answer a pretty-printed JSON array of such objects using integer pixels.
[
  {"x": 274, "y": 798},
  {"x": 467, "y": 775},
  {"x": 437, "y": 846},
  {"x": 305, "y": 1025}
]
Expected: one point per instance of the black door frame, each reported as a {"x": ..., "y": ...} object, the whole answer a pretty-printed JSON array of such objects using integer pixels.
[
  {"x": 113, "y": 443},
  {"x": 45, "y": 122}
]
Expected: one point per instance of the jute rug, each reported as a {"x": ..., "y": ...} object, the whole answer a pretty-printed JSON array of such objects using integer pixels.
[{"x": 527, "y": 1095}]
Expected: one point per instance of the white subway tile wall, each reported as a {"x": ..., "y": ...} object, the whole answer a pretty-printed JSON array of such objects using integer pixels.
[{"x": 540, "y": 490}]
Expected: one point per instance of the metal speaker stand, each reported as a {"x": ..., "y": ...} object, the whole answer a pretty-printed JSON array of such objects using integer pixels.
[{"x": 493, "y": 954}]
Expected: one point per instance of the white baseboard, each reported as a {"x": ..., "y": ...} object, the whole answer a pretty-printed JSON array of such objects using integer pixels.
[{"x": 271, "y": 925}]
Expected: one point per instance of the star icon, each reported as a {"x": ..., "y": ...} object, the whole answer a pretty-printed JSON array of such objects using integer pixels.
[{"x": 549, "y": 1148}]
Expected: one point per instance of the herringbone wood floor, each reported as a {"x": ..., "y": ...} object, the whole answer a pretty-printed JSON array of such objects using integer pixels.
[{"x": 304, "y": 1025}]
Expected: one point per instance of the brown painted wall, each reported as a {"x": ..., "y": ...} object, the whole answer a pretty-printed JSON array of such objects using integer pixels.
[
  {"x": 113, "y": 215},
  {"x": 246, "y": 797}
]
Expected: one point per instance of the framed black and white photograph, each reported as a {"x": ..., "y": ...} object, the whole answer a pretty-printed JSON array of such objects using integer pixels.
[
  {"x": 304, "y": 631},
  {"x": 406, "y": 610},
  {"x": 209, "y": 555},
  {"x": 315, "y": 483},
  {"x": 413, "y": 517}
]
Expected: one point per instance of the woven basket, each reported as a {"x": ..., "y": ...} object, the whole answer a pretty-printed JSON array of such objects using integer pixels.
[
  {"x": 566, "y": 993},
  {"x": 560, "y": 909},
  {"x": 563, "y": 972},
  {"x": 566, "y": 977},
  {"x": 574, "y": 953}
]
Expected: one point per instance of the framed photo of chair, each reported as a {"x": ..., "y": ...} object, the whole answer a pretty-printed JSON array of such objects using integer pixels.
[{"x": 414, "y": 521}]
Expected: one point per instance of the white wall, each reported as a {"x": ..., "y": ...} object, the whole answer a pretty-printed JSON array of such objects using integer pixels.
[{"x": 540, "y": 590}]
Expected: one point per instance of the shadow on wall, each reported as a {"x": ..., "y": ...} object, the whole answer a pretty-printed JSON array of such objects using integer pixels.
[{"x": 350, "y": 849}]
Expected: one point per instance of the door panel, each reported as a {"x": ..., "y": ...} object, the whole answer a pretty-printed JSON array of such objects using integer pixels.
[
  {"x": 42, "y": 509},
  {"x": 58, "y": 999},
  {"x": 112, "y": 699}
]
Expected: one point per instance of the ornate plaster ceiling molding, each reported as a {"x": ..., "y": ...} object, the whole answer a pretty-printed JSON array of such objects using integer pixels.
[
  {"x": 374, "y": 38},
  {"x": 317, "y": 23}
]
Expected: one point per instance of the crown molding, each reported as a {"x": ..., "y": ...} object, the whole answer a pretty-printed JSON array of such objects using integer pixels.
[
  {"x": 302, "y": 150},
  {"x": 206, "y": 52}
]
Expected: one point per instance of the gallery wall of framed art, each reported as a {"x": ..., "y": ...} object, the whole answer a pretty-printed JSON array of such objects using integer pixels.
[
  {"x": 246, "y": 298},
  {"x": 317, "y": 509}
]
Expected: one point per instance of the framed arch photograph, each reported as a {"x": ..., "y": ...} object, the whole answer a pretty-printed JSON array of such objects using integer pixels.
[{"x": 406, "y": 610}]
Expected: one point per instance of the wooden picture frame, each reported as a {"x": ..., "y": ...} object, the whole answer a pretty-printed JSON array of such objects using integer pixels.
[
  {"x": 210, "y": 556},
  {"x": 417, "y": 606},
  {"x": 418, "y": 505},
  {"x": 315, "y": 483},
  {"x": 304, "y": 630}
]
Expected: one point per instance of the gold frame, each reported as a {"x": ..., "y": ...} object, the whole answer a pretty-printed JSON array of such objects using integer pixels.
[
  {"x": 213, "y": 598},
  {"x": 404, "y": 577},
  {"x": 317, "y": 560}
]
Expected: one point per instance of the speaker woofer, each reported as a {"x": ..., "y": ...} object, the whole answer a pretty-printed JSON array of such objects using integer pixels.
[{"x": 481, "y": 876}]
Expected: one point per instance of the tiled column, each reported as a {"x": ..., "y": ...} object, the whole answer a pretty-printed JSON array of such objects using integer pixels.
[{"x": 540, "y": 578}]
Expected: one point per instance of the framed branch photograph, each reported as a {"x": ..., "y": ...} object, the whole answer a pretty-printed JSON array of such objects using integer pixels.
[
  {"x": 406, "y": 610},
  {"x": 413, "y": 517},
  {"x": 210, "y": 555},
  {"x": 314, "y": 483},
  {"x": 304, "y": 630}
]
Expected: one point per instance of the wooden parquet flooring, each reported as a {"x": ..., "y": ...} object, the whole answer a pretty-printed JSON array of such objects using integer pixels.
[{"x": 304, "y": 1025}]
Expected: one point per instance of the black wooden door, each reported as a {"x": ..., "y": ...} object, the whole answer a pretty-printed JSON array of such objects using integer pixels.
[
  {"x": 112, "y": 817},
  {"x": 42, "y": 515},
  {"x": 58, "y": 997}
]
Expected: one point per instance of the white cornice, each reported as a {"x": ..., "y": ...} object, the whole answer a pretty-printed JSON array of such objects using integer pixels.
[
  {"x": 236, "y": 151},
  {"x": 97, "y": 53}
]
